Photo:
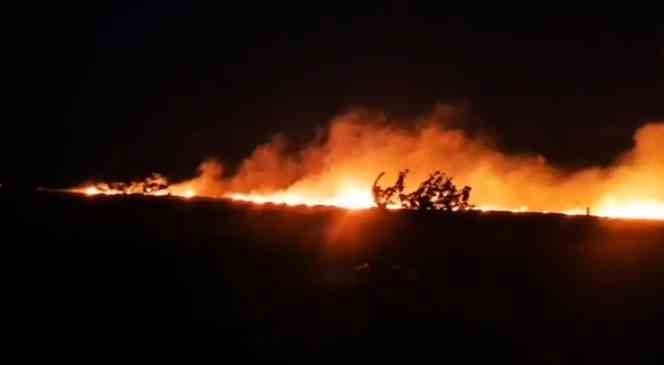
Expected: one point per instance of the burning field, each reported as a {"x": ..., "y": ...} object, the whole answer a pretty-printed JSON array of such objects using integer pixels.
[
  {"x": 282, "y": 257},
  {"x": 288, "y": 255},
  {"x": 394, "y": 182},
  {"x": 338, "y": 166}
]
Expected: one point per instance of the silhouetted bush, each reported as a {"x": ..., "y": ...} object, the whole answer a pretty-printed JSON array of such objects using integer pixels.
[{"x": 438, "y": 192}]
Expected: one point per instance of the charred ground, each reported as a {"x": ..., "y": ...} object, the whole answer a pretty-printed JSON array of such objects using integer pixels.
[{"x": 163, "y": 277}]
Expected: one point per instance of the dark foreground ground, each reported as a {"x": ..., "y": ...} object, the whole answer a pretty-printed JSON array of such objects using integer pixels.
[{"x": 153, "y": 279}]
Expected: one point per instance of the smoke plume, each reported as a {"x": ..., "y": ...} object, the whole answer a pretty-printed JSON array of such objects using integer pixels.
[{"x": 358, "y": 145}]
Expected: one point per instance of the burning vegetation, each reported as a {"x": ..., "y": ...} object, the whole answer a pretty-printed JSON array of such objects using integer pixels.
[
  {"x": 155, "y": 185},
  {"x": 337, "y": 167},
  {"x": 435, "y": 193}
]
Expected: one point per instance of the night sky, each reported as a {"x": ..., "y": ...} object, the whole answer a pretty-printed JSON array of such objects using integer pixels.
[{"x": 122, "y": 90}]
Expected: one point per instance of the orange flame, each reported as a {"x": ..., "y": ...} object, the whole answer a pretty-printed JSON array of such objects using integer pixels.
[
  {"x": 91, "y": 190},
  {"x": 339, "y": 167},
  {"x": 633, "y": 209},
  {"x": 353, "y": 198}
]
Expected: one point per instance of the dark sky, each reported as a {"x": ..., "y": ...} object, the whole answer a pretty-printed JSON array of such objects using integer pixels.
[{"x": 128, "y": 89}]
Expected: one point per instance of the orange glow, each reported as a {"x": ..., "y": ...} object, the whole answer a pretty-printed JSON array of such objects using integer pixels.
[
  {"x": 353, "y": 198},
  {"x": 338, "y": 167},
  {"x": 360, "y": 198},
  {"x": 91, "y": 190},
  {"x": 633, "y": 209}
]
